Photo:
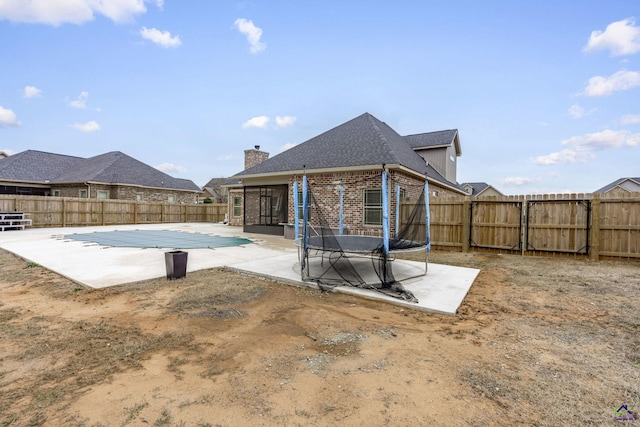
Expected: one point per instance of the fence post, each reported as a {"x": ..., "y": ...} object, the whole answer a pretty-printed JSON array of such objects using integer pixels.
[
  {"x": 102, "y": 211},
  {"x": 466, "y": 223},
  {"x": 64, "y": 212},
  {"x": 594, "y": 250},
  {"x": 523, "y": 226}
]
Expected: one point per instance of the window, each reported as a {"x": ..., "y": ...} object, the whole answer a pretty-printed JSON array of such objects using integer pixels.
[
  {"x": 373, "y": 206},
  {"x": 83, "y": 194},
  {"x": 139, "y": 197},
  {"x": 171, "y": 199},
  {"x": 56, "y": 193},
  {"x": 300, "y": 206},
  {"x": 237, "y": 206},
  {"x": 103, "y": 195}
]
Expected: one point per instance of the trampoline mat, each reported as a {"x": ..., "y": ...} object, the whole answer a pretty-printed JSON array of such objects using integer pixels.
[{"x": 158, "y": 239}]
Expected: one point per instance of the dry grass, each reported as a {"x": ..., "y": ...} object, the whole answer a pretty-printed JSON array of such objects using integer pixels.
[
  {"x": 568, "y": 335},
  {"x": 555, "y": 342}
]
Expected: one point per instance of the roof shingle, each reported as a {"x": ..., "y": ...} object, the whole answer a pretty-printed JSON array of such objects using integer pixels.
[{"x": 109, "y": 168}]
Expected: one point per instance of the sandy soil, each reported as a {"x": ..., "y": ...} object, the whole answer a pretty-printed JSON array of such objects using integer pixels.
[{"x": 538, "y": 341}]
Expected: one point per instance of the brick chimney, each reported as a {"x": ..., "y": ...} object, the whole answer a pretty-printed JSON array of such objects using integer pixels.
[{"x": 254, "y": 156}]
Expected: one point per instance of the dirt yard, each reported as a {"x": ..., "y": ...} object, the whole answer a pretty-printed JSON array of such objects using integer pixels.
[{"x": 538, "y": 341}]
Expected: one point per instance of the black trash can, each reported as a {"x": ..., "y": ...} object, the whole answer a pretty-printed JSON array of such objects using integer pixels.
[{"x": 176, "y": 262}]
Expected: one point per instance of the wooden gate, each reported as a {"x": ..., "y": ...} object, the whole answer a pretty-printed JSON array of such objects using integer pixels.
[
  {"x": 558, "y": 225},
  {"x": 496, "y": 225}
]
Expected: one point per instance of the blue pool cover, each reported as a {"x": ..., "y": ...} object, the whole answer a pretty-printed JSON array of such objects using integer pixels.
[{"x": 158, "y": 239}]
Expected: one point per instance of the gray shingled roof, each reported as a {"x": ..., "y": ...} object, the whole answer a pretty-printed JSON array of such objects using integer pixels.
[
  {"x": 36, "y": 166},
  {"x": 109, "y": 168},
  {"x": 363, "y": 141},
  {"x": 431, "y": 139},
  {"x": 616, "y": 183},
  {"x": 476, "y": 187}
]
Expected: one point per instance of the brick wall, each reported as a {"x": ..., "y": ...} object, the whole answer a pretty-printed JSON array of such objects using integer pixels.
[
  {"x": 326, "y": 189},
  {"x": 254, "y": 156},
  {"x": 123, "y": 192}
]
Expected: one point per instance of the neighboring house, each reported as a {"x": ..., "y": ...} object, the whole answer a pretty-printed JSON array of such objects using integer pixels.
[
  {"x": 215, "y": 190},
  {"x": 621, "y": 186},
  {"x": 112, "y": 175},
  {"x": 481, "y": 189},
  {"x": 352, "y": 154}
]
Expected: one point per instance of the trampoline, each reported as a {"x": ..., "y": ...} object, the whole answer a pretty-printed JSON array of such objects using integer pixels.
[
  {"x": 157, "y": 239},
  {"x": 331, "y": 256}
]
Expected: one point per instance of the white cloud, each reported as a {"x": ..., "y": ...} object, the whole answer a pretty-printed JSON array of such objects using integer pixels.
[
  {"x": 31, "y": 92},
  {"x": 630, "y": 119},
  {"x": 603, "y": 86},
  {"x": 90, "y": 126},
  {"x": 161, "y": 38},
  {"x": 8, "y": 151},
  {"x": 8, "y": 118},
  {"x": 285, "y": 121},
  {"x": 57, "y": 12},
  {"x": 81, "y": 102},
  {"x": 252, "y": 33},
  {"x": 256, "y": 122},
  {"x": 517, "y": 181},
  {"x": 170, "y": 167},
  {"x": 286, "y": 146},
  {"x": 577, "y": 111},
  {"x": 620, "y": 37},
  {"x": 581, "y": 148}
]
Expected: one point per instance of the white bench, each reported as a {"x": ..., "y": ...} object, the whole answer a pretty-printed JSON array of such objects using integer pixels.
[{"x": 13, "y": 221}]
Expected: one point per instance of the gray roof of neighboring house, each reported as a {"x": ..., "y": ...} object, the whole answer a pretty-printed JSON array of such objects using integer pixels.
[
  {"x": 615, "y": 184},
  {"x": 36, "y": 166},
  {"x": 109, "y": 168},
  {"x": 476, "y": 187}
]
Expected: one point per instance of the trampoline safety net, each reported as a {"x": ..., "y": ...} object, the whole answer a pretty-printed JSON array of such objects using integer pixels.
[{"x": 331, "y": 256}]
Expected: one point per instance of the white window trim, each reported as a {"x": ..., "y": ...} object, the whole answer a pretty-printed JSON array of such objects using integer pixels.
[{"x": 365, "y": 207}]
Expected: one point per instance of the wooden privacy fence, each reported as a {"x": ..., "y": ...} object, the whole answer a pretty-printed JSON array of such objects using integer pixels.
[
  {"x": 585, "y": 224},
  {"x": 74, "y": 212}
]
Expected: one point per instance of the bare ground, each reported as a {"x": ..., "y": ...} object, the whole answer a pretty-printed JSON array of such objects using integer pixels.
[{"x": 537, "y": 341}]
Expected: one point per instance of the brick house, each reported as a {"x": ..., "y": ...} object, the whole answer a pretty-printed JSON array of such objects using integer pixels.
[
  {"x": 112, "y": 175},
  {"x": 350, "y": 156}
]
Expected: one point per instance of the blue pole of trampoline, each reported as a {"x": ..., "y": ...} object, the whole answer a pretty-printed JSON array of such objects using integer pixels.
[
  {"x": 427, "y": 216},
  {"x": 305, "y": 215},
  {"x": 385, "y": 214},
  {"x": 341, "y": 200},
  {"x": 397, "y": 209},
  {"x": 295, "y": 209}
]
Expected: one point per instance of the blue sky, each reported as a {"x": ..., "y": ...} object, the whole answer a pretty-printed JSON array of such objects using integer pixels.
[{"x": 545, "y": 95}]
